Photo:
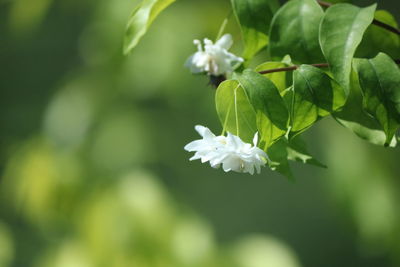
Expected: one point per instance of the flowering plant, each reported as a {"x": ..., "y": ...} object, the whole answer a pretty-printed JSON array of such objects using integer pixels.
[{"x": 322, "y": 59}]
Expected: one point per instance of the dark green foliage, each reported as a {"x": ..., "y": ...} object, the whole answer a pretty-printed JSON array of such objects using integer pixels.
[
  {"x": 377, "y": 39},
  {"x": 341, "y": 31},
  {"x": 380, "y": 84},
  {"x": 254, "y": 17},
  {"x": 294, "y": 31},
  {"x": 315, "y": 95},
  {"x": 354, "y": 117}
]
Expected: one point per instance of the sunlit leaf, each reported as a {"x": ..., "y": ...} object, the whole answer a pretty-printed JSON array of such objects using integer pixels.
[
  {"x": 271, "y": 112},
  {"x": 380, "y": 84},
  {"x": 254, "y": 17},
  {"x": 315, "y": 95},
  {"x": 341, "y": 31},
  {"x": 294, "y": 31},
  {"x": 235, "y": 111},
  {"x": 141, "y": 19}
]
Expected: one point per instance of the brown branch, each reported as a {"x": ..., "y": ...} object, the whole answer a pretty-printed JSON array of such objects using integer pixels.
[
  {"x": 375, "y": 21},
  {"x": 216, "y": 80},
  {"x": 324, "y": 4},
  {"x": 386, "y": 26},
  {"x": 319, "y": 65},
  {"x": 295, "y": 67}
]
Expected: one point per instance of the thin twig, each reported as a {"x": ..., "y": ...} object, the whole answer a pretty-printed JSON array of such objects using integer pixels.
[
  {"x": 375, "y": 21},
  {"x": 216, "y": 80},
  {"x": 278, "y": 70},
  {"x": 318, "y": 65},
  {"x": 386, "y": 26},
  {"x": 324, "y": 4}
]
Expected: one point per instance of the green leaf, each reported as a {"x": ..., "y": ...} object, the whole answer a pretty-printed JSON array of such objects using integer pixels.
[
  {"x": 235, "y": 111},
  {"x": 294, "y": 31},
  {"x": 380, "y": 84},
  {"x": 280, "y": 79},
  {"x": 377, "y": 39},
  {"x": 254, "y": 17},
  {"x": 315, "y": 95},
  {"x": 271, "y": 112},
  {"x": 341, "y": 31},
  {"x": 278, "y": 158},
  {"x": 353, "y": 116},
  {"x": 338, "y": 1},
  {"x": 141, "y": 19},
  {"x": 297, "y": 151}
]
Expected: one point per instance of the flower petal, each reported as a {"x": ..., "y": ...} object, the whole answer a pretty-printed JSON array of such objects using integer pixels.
[
  {"x": 194, "y": 145},
  {"x": 255, "y": 139},
  {"x": 225, "y": 41},
  {"x": 204, "y": 131},
  {"x": 193, "y": 63}
]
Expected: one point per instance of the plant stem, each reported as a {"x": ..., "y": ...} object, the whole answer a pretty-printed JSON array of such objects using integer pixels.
[
  {"x": 386, "y": 26},
  {"x": 318, "y": 65},
  {"x": 215, "y": 81},
  {"x": 375, "y": 21}
]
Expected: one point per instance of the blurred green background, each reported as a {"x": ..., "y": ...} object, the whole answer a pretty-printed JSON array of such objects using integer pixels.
[{"x": 93, "y": 171}]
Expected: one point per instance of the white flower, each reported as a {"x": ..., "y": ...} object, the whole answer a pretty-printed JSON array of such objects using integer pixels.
[
  {"x": 230, "y": 152},
  {"x": 207, "y": 149},
  {"x": 215, "y": 58}
]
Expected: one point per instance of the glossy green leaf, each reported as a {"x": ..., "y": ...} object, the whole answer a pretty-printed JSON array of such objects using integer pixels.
[
  {"x": 380, "y": 84},
  {"x": 141, "y": 19},
  {"x": 294, "y": 31},
  {"x": 254, "y": 17},
  {"x": 234, "y": 110},
  {"x": 341, "y": 31},
  {"x": 315, "y": 95},
  {"x": 377, "y": 39},
  {"x": 271, "y": 112},
  {"x": 353, "y": 116}
]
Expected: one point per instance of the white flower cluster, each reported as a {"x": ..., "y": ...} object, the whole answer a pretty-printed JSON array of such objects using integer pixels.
[
  {"x": 215, "y": 58},
  {"x": 229, "y": 151}
]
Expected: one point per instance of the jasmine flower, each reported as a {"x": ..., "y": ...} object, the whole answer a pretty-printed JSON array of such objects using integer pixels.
[
  {"x": 214, "y": 59},
  {"x": 229, "y": 151}
]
